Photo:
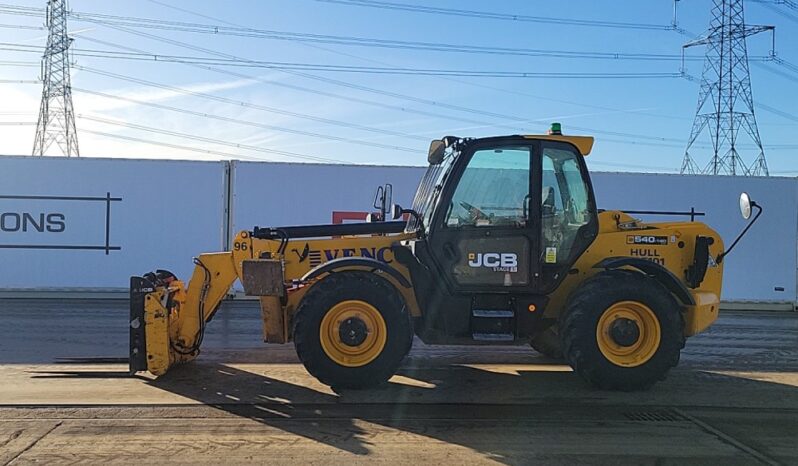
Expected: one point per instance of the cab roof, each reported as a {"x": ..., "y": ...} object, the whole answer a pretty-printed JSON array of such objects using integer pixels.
[{"x": 583, "y": 143}]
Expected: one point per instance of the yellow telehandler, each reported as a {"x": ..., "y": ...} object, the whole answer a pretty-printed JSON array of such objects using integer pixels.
[{"x": 503, "y": 245}]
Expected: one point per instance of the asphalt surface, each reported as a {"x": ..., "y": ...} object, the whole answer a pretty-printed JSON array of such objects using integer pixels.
[{"x": 732, "y": 400}]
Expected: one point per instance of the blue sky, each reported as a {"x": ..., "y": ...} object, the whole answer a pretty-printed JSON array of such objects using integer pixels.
[{"x": 639, "y": 124}]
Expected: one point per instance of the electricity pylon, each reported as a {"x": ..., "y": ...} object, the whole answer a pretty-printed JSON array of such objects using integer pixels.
[
  {"x": 725, "y": 103},
  {"x": 56, "y": 126}
]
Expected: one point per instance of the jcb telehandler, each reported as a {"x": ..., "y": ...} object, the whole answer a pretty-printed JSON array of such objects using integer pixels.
[{"x": 503, "y": 245}]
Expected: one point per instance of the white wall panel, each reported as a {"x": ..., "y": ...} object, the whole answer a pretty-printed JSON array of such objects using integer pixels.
[
  {"x": 161, "y": 214},
  {"x": 765, "y": 258},
  {"x": 280, "y": 194}
]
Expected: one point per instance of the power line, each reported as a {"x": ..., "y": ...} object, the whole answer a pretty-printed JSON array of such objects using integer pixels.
[
  {"x": 243, "y": 104},
  {"x": 786, "y": 64},
  {"x": 778, "y": 72},
  {"x": 111, "y": 20},
  {"x": 349, "y": 99},
  {"x": 248, "y": 123},
  {"x": 445, "y": 11},
  {"x": 362, "y": 41},
  {"x": 772, "y": 6},
  {"x": 514, "y": 118},
  {"x": 776, "y": 111},
  {"x": 758, "y": 104},
  {"x": 22, "y": 10},
  {"x": 328, "y": 80},
  {"x": 169, "y": 145},
  {"x": 179, "y": 26},
  {"x": 175, "y": 146},
  {"x": 114, "y": 20},
  {"x": 756, "y": 62},
  {"x": 341, "y": 68},
  {"x": 788, "y": 3},
  {"x": 207, "y": 140},
  {"x": 498, "y": 16},
  {"x": 23, "y": 27},
  {"x": 30, "y": 64},
  {"x": 386, "y": 93},
  {"x": 433, "y": 103},
  {"x": 591, "y": 130},
  {"x": 178, "y": 43},
  {"x": 468, "y": 83}
]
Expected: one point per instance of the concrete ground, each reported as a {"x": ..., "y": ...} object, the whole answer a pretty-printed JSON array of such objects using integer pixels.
[{"x": 732, "y": 400}]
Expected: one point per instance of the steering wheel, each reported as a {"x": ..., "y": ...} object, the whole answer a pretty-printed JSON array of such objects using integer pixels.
[{"x": 473, "y": 211}]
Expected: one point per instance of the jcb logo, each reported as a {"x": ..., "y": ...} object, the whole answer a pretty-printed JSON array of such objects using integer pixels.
[{"x": 504, "y": 260}]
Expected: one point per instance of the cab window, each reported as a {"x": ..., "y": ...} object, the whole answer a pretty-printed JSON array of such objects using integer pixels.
[
  {"x": 493, "y": 190},
  {"x": 565, "y": 205}
]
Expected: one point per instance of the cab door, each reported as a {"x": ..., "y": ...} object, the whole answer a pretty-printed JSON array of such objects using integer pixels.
[
  {"x": 484, "y": 235},
  {"x": 568, "y": 215}
]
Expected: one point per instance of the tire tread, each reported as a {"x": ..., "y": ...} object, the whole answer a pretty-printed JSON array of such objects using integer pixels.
[{"x": 578, "y": 346}]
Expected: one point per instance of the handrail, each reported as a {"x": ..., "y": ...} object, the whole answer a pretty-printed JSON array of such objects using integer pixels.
[{"x": 692, "y": 213}]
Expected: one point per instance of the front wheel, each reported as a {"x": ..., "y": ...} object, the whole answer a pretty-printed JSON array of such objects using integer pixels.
[
  {"x": 622, "y": 330},
  {"x": 352, "y": 330}
]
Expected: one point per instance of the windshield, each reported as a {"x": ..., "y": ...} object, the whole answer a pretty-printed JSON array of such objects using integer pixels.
[
  {"x": 493, "y": 189},
  {"x": 429, "y": 189}
]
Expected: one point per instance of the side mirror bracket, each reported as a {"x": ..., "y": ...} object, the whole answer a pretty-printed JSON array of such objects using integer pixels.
[
  {"x": 746, "y": 204},
  {"x": 397, "y": 212}
]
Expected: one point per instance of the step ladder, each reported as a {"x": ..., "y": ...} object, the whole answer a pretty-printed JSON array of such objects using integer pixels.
[{"x": 493, "y": 325}]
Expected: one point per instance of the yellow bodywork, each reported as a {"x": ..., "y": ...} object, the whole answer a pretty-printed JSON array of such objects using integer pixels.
[
  {"x": 171, "y": 333},
  {"x": 175, "y": 331},
  {"x": 677, "y": 255},
  {"x": 584, "y": 144}
]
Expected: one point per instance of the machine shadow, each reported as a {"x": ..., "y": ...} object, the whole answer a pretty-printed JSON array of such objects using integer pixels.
[
  {"x": 486, "y": 407},
  {"x": 408, "y": 403},
  {"x": 498, "y": 405}
]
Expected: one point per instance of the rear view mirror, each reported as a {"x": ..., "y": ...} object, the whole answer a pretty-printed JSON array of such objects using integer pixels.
[
  {"x": 436, "y": 150},
  {"x": 745, "y": 205},
  {"x": 378, "y": 197},
  {"x": 387, "y": 199},
  {"x": 383, "y": 200}
]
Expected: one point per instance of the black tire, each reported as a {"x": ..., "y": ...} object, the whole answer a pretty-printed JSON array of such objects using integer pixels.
[
  {"x": 343, "y": 286},
  {"x": 547, "y": 342},
  {"x": 579, "y": 323}
]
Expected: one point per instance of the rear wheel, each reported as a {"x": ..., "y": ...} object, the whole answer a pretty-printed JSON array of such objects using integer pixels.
[
  {"x": 622, "y": 330},
  {"x": 352, "y": 330}
]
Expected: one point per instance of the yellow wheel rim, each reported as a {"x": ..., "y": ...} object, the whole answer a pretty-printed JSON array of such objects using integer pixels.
[
  {"x": 353, "y": 333},
  {"x": 634, "y": 351}
]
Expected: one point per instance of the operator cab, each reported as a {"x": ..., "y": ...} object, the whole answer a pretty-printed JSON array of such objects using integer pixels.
[{"x": 500, "y": 221}]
